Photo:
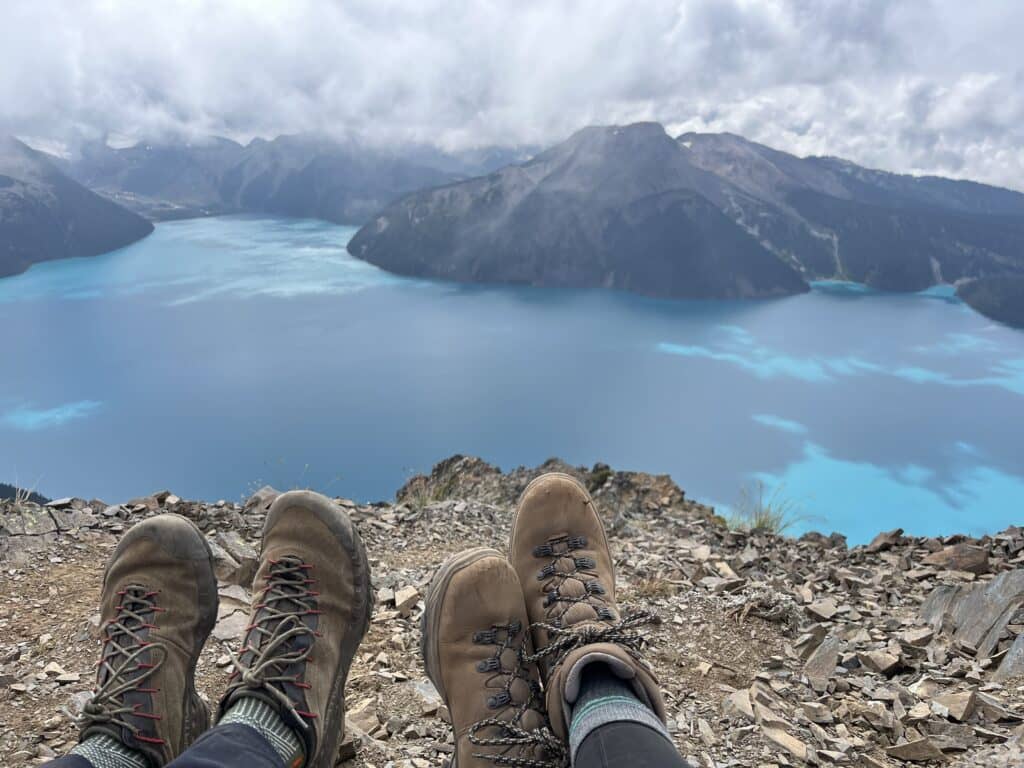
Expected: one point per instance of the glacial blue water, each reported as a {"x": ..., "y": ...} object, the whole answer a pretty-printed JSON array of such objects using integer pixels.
[{"x": 221, "y": 354}]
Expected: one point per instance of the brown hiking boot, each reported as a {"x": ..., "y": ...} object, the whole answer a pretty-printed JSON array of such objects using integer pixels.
[
  {"x": 311, "y": 608},
  {"x": 158, "y": 606},
  {"x": 560, "y": 552},
  {"x": 474, "y": 641}
]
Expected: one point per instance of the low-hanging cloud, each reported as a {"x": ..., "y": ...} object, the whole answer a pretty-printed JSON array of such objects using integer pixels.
[{"x": 926, "y": 86}]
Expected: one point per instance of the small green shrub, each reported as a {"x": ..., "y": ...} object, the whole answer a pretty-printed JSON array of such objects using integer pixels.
[
  {"x": 279, "y": 471},
  {"x": 760, "y": 512},
  {"x": 598, "y": 477},
  {"x": 445, "y": 489},
  {"x": 415, "y": 493},
  {"x": 20, "y": 496}
]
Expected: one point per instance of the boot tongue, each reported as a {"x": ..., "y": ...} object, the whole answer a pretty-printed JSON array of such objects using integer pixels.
[
  {"x": 287, "y": 584},
  {"x": 123, "y": 629},
  {"x": 287, "y": 607},
  {"x": 128, "y": 660}
]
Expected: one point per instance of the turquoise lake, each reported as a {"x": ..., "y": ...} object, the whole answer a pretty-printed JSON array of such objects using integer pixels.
[{"x": 221, "y": 354}]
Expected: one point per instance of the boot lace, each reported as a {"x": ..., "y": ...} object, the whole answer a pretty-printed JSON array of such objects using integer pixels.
[
  {"x": 128, "y": 660},
  {"x": 555, "y": 574},
  {"x": 278, "y": 638},
  {"x": 609, "y": 628},
  {"x": 563, "y": 641},
  {"x": 509, "y": 732}
]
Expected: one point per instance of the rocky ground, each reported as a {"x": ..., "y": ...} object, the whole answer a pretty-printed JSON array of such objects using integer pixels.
[{"x": 772, "y": 651}]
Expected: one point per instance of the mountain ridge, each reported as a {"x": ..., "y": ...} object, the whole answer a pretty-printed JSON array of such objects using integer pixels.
[
  {"x": 46, "y": 215},
  {"x": 700, "y": 215},
  {"x": 1000, "y": 299},
  {"x": 563, "y": 218},
  {"x": 889, "y": 231},
  {"x": 573, "y": 216},
  {"x": 304, "y": 175}
]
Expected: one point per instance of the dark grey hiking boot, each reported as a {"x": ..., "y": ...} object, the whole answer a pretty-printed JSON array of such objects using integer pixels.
[
  {"x": 560, "y": 552},
  {"x": 474, "y": 643},
  {"x": 311, "y": 609},
  {"x": 158, "y": 606}
]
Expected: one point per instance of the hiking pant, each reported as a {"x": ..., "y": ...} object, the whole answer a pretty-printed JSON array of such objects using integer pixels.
[
  {"x": 615, "y": 745},
  {"x": 226, "y": 746},
  {"x": 627, "y": 745}
]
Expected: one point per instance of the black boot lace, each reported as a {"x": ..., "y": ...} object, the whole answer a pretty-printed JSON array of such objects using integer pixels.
[
  {"x": 508, "y": 732},
  {"x": 128, "y": 660},
  {"x": 278, "y": 637}
]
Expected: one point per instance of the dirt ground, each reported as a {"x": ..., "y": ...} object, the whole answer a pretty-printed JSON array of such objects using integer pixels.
[{"x": 49, "y": 615}]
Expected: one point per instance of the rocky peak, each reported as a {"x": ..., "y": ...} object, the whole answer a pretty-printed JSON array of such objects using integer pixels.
[
  {"x": 621, "y": 163},
  {"x": 619, "y": 138}
]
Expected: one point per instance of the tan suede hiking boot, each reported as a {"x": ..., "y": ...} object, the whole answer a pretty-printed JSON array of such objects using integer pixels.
[
  {"x": 311, "y": 608},
  {"x": 560, "y": 553},
  {"x": 474, "y": 641},
  {"x": 158, "y": 606}
]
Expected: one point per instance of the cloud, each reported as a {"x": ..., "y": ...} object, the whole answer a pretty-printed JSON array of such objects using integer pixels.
[
  {"x": 740, "y": 349},
  {"x": 29, "y": 419},
  {"x": 978, "y": 496},
  {"x": 779, "y": 423},
  {"x": 761, "y": 362},
  {"x": 953, "y": 344},
  {"x": 910, "y": 85}
]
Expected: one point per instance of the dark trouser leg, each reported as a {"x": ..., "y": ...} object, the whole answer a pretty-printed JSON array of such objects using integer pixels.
[
  {"x": 226, "y": 746},
  {"x": 627, "y": 745},
  {"x": 69, "y": 761},
  {"x": 229, "y": 746}
]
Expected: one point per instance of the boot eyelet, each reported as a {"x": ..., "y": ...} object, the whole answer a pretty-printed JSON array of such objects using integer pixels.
[
  {"x": 499, "y": 700},
  {"x": 484, "y": 637},
  {"x": 489, "y": 665}
]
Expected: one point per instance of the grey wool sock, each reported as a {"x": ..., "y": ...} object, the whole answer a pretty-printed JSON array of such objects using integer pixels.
[
  {"x": 261, "y": 717},
  {"x": 605, "y": 698},
  {"x": 104, "y": 751}
]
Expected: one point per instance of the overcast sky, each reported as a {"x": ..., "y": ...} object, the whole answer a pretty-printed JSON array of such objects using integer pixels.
[{"x": 909, "y": 85}]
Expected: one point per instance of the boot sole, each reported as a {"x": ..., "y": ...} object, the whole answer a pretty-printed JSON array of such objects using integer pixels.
[
  {"x": 339, "y": 523},
  {"x": 430, "y": 623}
]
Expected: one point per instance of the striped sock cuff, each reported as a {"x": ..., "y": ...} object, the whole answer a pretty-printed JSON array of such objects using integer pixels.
[
  {"x": 261, "y": 717},
  {"x": 104, "y": 751},
  {"x": 610, "y": 709}
]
